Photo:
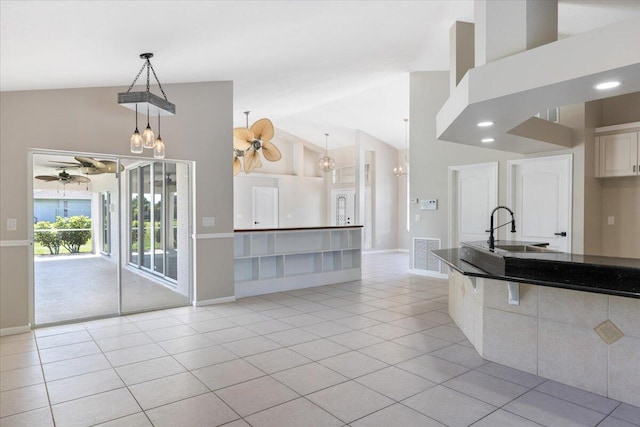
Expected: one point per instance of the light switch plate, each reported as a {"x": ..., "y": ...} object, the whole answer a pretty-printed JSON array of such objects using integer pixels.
[
  {"x": 208, "y": 221},
  {"x": 611, "y": 220},
  {"x": 417, "y": 218},
  {"x": 12, "y": 224}
]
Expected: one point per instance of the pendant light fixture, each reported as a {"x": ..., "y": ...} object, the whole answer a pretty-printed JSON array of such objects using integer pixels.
[
  {"x": 158, "y": 146},
  {"x": 326, "y": 163},
  {"x": 155, "y": 105},
  {"x": 403, "y": 169},
  {"x": 136, "y": 139}
]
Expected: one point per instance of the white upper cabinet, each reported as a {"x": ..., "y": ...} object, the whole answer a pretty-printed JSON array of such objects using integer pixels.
[{"x": 617, "y": 154}]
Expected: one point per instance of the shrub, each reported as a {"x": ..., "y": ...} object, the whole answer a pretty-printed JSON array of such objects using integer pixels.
[
  {"x": 50, "y": 239},
  {"x": 78, "y": 234}
]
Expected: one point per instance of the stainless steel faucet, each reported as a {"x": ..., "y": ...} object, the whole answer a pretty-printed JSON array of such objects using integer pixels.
[{"x": 491, "y": 229}]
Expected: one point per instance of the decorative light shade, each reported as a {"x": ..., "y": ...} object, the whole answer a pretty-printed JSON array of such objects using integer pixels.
[
  {"x": 326, "y": 163},
  {"x": 154, "y": 104},
  {"x": 158, "y": 148},
  {"x": 404, "y": 169}
]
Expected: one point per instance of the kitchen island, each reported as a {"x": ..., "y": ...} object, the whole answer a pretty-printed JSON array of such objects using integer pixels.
[
  {"x": 284, "y": 259},
  {"x": 571, "y": 318}
]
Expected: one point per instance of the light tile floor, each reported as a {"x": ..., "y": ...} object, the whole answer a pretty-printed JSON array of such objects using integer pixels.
[{"x": 377, "y": 352}]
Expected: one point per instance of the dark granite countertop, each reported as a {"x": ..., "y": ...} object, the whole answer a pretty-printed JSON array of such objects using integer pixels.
[
  {"x": 326, "y": 227},
  {"x": 606, "y": 275}
]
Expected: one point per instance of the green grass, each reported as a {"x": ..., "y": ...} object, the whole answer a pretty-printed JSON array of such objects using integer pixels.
[{"x": 38, "y": 249}]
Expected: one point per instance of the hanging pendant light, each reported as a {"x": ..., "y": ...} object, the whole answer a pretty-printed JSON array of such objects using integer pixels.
[
  {"x": 148, "y": 138},
  {"x": 326, "y": 163},
  {"x": 403, "y": 169},
  {"x": 158, "y": 147},
  {"x": 136, "y": 139},
  {"x": 154, "y": 104}
]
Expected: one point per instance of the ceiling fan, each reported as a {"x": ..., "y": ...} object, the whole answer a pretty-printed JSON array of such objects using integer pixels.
[
  {"x": 91, "y": 166},
  {"x": 64, "y": 177},
  {"x": 248, "y": 140}
]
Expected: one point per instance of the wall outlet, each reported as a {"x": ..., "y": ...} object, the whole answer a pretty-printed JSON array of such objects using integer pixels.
[
  {"x": 611, "y": 220},
  {"x": 208, "y": 221},
  {"x": 12, "y": 224}
]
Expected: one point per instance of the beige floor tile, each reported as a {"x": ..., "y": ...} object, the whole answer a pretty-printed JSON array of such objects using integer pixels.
[
  {"x": 296, "y": 413},
  {"x": 268, "y": 327},
  {"x": 184, "y": 344},
  {"x": 422, "y": 342},
  {"x": 164, "y": 322},
  {"x": 212, "y": 325},
  {"x": 395, "y": 383},
  {"x": 94, "y": 409},
  {"x": 461, "y": 355},
  {"x": 15, "y": 347},
  {"x": 37, "y": 418},
  {"x": 484, "y": 387},
  {"x": 349, "y": 401},
  {"x": 501, "y": 418},
  {"x": 291, "y": 337},
  {"x": 302, "y": 320},
  {"x": 135, "y": 420},
  {"x": 204, "y": 410},
  {"x": 432, "y": 368},
  {"x": 72, "y": 351},
  {"x": 171, "y": 332},
  {"x": 135, "y": 354},
  {"x": 236, "y": 333},
  {"x": 204, "y": 357},
  {"x": 309, "y": 378},
  {"x": 277, "y": 360},
  {"x": 149, "y": 370},
  {"x": 449, "y": 407},
  {"x": 227, "y": 374},
  {"x": 353, "y": 364},
  {"x": 355, "y": 339},
  {"x": 78, "y": 366},
  {"x": 123, "y": 341},
  {"x": 83, "y": 385},
  {"x": 20, "y": 360},
  {"x": 390, "y": 352},
  {"x": 386, "y": 331},
  {"x": 396, "y": 415},
  {"x": 21, "y": 378},
  {"x": 326, "y": 329},
  {"x": 251, "y": 346},
  {"x": 114, "y": 330},
  {"x": 256, "y": 395},
  {"x": 152, "y": 394},
  {"x": 23, "y": 399},
  {"x": 319, "y": 349},
  {"x": 357, "y": 322},
  {"x": 63, "y": 339}
]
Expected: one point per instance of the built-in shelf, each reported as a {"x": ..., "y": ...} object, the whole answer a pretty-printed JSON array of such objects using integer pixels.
[{"x": 273, "y": 260}]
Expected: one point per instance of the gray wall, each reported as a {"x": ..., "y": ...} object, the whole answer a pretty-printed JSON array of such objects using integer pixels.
[
  {"x": 430, "y": 158},
  {"x": 89, "y": 120}
]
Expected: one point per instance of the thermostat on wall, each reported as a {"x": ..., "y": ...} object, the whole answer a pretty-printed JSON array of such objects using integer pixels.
[{"x": 429, "y": 205}]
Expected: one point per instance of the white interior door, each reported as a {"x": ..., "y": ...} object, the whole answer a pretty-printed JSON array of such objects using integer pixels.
[
  {"x": 540, "y": 195},
  {"x": 473, "y": 193},
  {"x": 265, "y": 207}
]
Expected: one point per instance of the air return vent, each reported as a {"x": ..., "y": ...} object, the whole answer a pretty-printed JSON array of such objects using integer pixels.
[{"x": 423, "y": 259}]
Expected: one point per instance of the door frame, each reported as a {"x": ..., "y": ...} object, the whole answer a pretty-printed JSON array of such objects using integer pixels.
[
  {"x": 453, "y": 226},
  {"x": 120, "y": 218},
  {"x": 511, "y": 164}
]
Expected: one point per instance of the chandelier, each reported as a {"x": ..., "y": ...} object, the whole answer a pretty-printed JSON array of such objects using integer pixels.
[
  {"x": 326, "y": 163},
  {"x": 154, "y": 105}
]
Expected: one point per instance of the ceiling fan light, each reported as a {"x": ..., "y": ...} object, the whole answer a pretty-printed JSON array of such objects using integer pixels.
[
  {"x": 136, "y": 142},
  {"x": 158, "y": 149}
]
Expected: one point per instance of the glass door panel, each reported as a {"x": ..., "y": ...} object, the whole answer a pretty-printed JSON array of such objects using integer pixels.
[
  {"x": 146, "y": 228},
  {"x": 158, "y": 217}
]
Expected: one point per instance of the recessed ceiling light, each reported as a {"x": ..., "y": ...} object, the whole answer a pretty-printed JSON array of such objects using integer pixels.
[
  {"x": 485, "y": 124},
  {"x": 487, "y": 140},
  {"x": 608, "y": 85}
]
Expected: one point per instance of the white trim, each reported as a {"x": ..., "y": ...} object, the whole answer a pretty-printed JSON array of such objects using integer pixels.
[
  {"x": 443, "y": 277},
  {"x": 15, "y": 330},
  {"x": 624, "y": 126},
  {"x": 384, "y": 251},
  {"x": 213, "y": 236},
  {"x": 214, "y": 301},
  {"x": 13, "y": 243}
]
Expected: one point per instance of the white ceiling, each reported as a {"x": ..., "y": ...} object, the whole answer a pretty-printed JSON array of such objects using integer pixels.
[{"x": 310, "y": 66}]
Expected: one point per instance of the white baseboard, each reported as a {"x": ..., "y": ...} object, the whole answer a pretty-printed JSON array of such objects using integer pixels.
[
  {"x": 383, "y": 251},
  {"x": 214, "y": 301},
  {"x": 15, "y": 330},
  {"x": 440, "y": 276}
]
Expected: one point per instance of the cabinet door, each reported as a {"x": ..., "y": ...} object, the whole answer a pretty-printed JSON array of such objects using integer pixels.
[{"x": 619, "y": 154}]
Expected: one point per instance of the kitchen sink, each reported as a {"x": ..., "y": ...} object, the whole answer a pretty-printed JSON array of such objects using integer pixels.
[{"x": 494, "y": 261}]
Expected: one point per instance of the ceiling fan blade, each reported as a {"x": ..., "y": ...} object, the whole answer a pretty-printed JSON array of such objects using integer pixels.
[
  {"x": 46, "y": 177},
  {"x": 237, "y": 166},
  {"x": 270, "y": 151},
  {"x": 110, "y": 166},
  {"x": 94, "y": 162},
  {"x": 78, "y": 179},
  {"x": 75, "y": 164},
  {"x": 263, "y": 129},
  {"x": 251, "y": 161},
  {"x": 242, "y": 138},
  {"x": 94, "y": 171}
]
